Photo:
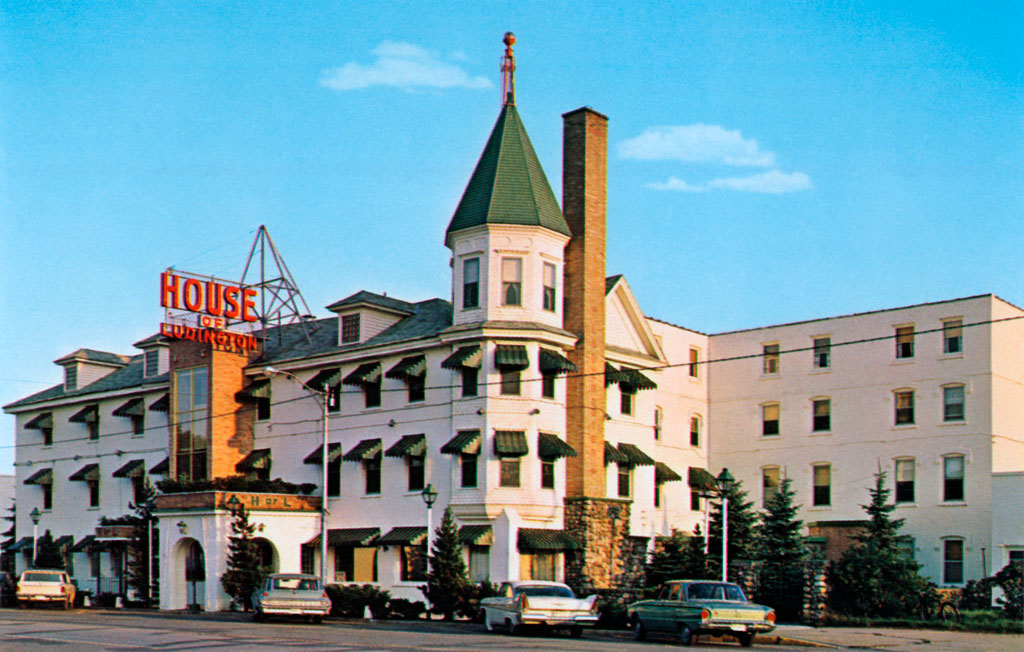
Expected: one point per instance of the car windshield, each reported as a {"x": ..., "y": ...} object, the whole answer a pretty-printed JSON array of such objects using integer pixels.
[
  {"x": 544, "y": 591},
  {"x": 715, "y": 591},
  {"x": 41, "y": 577},
  {"x": 295, "y": 583}
]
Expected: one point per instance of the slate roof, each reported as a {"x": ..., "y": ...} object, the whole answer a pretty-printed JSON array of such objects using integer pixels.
[
  {"x": 508, "y": 185},
  {"x": 127, "y": 377},
  {"x": 373, "y": 299},
  {"x": 92, "y": 355}
]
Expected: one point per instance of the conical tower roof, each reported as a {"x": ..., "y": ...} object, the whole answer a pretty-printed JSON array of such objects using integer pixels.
[{"x": 508, "y": 185}]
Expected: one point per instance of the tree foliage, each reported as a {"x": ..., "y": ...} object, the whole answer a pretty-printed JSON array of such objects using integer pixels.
[
  {"x": 873, "y": 578},
  {"x": 447, "y": 578},
  {"x": 782, "y": 553},
  {"x": 245, "y": 573},
  {"x": 1011, "y": 580},
  {"x": 743, "y": 524},
  {"x": 678, "y": 556},
  {"x": 140, "y": 551},
  {"x": 47, "y": 554}
]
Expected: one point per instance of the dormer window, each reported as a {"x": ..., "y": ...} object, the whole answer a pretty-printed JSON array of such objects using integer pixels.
[
  {"x": 70, "y": 378},
  {"x": 512, "y": 281},
  {"x": 471, "y": 283},
  {"x": 152, "y": 363},
  {"x": 350, "y": 329}
]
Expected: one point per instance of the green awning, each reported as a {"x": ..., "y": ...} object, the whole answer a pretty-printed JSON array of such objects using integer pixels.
[
  {"x": 256, "y": 460},
  {"x": 161, "y": 468},
  {"x": 537, "y": 539},
  {"x": 510, "y": 443},
  {"x": 662, "y": 474},
  {"x": 467, "y": 442},
  {"x": 612, "y": 375},
  {"x": 42, "y": 421},
  {"x": 364, "y": 450},
  {"x": 366, "y": 373},
  {"x": 87, "y": 472},
  {"x": 325, "y": 378},
  {"x": 88, "y": 414},
  {"x": 553, "y": 363},
  {"x": 162, "y": 404},
  {"x": 699, "y": 478},
  {"x": 510, "y": 356},
  {"x": 552, "y": 447},
  {"x": 131, "y": 469},
  {"x": 84, "y": 543},
  {"x": 635, "y": 456},
  {"x": 409, "y": 367},
  {"x": 408, "y": 446},
  {"x": 333, "y": 453},
  {"x": 465, "y": 356},
  {"x": 635, "y": 379},
  {"x": 42, "y": 476},
  {"x": 404, "y": 536},
  {"x": 134, "y": 407},
  {"x": 257, "y": 389},
  {"x": 64, "y": 541},
  {"x": 354, "y": 537},
  {"x": 612, "y": 454},
  {"x": 476, "y": 535},
  {"x": 25, "y": 543}
]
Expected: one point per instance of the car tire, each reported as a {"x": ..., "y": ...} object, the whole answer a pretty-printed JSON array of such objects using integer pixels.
[
  {"x": 513, "y": 629},
  {"x": 258, "y": 616},
  {"x": 686, "y": 635},
  {"x": 639, "y": 630},
  {"x": 576, "y": 632},
  {"x": 746, "y": 640},
  {"x": 316, "y": 620}
]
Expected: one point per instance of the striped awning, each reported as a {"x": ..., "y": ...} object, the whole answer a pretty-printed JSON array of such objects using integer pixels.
[
  {"x": 552, "y": 447},
  {"x": 134, "y": 407},
  {"x": 408, "y": 446},
  {"x": 131, "y": 469},
  {"x": 24, "y": 543},
  {"x": 699, "y": 478},
  {"x": 88, "y": 414},
  {"x": 636, "y": 380},
  {"x": 467, "y": 442},
  {"x": 333, "y": 453},
  {"x": 355, "y": 537},
  {"x": 662, "y": 473},
  {"x": 408, "y": 367},
  {"x": 161, "y": 468},
  {"x": 510, "y": 443},
  {"x": 368, "y": 372},
  {"x": 404, "y": 536},
  {"x": 162, "y": 404},
  {"x": 364, "y": 450},
  {"x": 612, "y": 454},
  {"x": 257, "y": 389},
  {"x": 534, "y": 539},
  {"x": 511, "y": 356},
  {"x": 257, "y": 459},
  {"x": 635, "y": 456},
  {"x": 612, "y": 375},
  {"x": 325, "y": 378},
  {"x": 476, "y": 535},
  {"x": 464, "y": 356},
  {"x": 42, "y": 421},
  {"x": 64, "y": 541},
  {"x": 84, "y": 544},
  {"x": 42, "y": 476},
  {"x": 87, "y": 472},
  {"x": 554, "y": 363}
]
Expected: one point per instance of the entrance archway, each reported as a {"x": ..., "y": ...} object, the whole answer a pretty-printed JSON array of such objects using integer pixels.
[
  {"x": 267, "y": 554},
  {"x": 188, "y": 575}
]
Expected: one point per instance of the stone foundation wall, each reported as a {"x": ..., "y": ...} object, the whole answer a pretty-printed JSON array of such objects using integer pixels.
[
  {"x": 609, "y": 557},
  {"x": 815, "y": 591}
]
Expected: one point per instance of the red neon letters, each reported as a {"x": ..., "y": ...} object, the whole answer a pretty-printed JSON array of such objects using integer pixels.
[{"x": 210, "y": 297}]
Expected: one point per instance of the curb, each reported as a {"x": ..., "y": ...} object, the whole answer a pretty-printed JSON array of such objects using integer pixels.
[{"x": 786, "y": 640}]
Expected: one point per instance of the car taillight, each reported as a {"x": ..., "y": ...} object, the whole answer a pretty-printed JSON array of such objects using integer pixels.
[
  {"x": 705, "y": 614},
  {"x": 266, "y": 594},
  {"x": 523, "y": 602},
  {"x": 771, "y": 617},
  {"x": 63, "y": 589}
]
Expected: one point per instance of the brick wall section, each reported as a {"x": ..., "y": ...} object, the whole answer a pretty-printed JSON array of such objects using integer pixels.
[{"x": 584, "y": 202}]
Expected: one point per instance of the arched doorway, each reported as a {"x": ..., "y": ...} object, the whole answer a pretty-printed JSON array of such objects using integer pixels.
[
  {"x": 267, "y": 554},
  {"x": 188, "y": 575}
]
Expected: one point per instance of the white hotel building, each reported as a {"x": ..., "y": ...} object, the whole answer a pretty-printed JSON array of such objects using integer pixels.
[{"x": 563, "y": 427}]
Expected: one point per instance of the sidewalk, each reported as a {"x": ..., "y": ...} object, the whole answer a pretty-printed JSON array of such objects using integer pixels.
[{"x": 892, "y": 640}]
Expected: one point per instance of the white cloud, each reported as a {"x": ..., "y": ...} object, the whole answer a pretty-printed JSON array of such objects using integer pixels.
[
  {"x": 773, "y": 182},
  {"x": 401, "y": 65},
  {"x": 697, "y": 143},
  {"x": 676, "y": 184}
]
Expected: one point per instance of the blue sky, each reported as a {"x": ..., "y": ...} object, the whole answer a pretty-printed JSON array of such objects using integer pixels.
[{"x": 769, "y": 162}]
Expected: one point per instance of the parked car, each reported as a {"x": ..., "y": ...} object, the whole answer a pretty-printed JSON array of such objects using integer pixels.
[
  {"x": 550, "y": 604},
  {"x": 291, "y": 594},
  {"x": 693, "y": 608},
  {"x": 8, "y": 590},
  {"x": 45, "y": 586}
]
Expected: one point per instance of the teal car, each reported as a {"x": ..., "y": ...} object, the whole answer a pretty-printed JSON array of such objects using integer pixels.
[{"x": 694, "y": 608}]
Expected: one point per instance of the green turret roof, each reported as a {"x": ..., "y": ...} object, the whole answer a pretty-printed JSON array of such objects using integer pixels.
[{"x": 508, "y": 185}]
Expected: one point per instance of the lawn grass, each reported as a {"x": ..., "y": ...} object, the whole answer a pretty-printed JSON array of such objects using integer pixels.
[{"x": 985, "y": 620}]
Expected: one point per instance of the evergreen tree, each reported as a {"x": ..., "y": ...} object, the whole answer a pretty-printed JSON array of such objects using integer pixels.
[
  {"x": 743, "y": 523},
  {"x": 244, "y": 573},
  {"x": 139, "y": 550},
  {"x": 782, "y": 553},
  {"x": 873, "y": 578},
  {"x": 48, "y": 555},
  {"x": 447, "y": 579},
  {"x": 676, "y": 557}
]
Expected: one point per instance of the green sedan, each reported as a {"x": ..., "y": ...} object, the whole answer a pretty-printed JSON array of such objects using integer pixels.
[{"x": 696, "y": 607}]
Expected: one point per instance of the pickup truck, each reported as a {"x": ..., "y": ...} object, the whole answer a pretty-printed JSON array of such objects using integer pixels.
[{"x": 45, "y": 586}]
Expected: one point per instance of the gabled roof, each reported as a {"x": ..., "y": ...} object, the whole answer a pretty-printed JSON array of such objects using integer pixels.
[
  {"x": 376, "y": 300},
  {"x": 98, "y": 357},
  {"x": 126, "y": 377},
  {"x": 508, "y": 185}
]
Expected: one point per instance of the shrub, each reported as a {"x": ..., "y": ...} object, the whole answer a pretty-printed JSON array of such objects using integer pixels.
[
  {"x": 402, "y": 609},
  {"x": 612, "y": 616},
  {"x": 1011, "y": 581},
  {"x": 471, "y": 597},
  {"x": 976, "y": 595},
  {"x": 351, "y": 600},
  {"x": 235, "y": 483}
]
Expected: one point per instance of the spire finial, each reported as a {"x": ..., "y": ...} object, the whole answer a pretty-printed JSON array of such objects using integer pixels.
[{"x": 508, "y": 71}]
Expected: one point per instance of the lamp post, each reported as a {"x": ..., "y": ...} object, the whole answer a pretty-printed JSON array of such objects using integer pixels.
[
  {"x": 725, "y": 481},
  {"x": 34, "y": 515},
  {"x": 707, "y": 495},
  {"x": 323, "y": 397},
  {"x": 429, "y": 497}
]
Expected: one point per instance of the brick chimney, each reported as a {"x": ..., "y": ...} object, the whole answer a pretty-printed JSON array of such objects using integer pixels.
[{"x": 584, "y": 203}]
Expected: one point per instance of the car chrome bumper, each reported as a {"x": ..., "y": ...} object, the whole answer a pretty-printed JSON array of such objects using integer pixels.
[{"x": 559, "y": 620}]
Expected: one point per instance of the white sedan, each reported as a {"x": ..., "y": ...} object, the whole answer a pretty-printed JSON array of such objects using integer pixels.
[{"x": 535, "y": 602}]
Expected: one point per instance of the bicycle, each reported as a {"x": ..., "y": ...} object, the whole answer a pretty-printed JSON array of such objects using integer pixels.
[{"x": 941, "y": 604}]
